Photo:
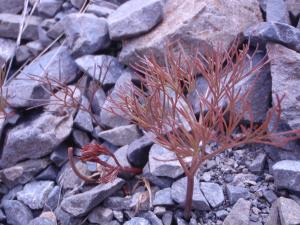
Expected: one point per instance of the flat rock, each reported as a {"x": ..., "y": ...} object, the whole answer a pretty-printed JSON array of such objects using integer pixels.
[
  {"x": 9, "y": 26},
  {"x": 83, "y": 119},
  {"x": 277, "y": 11},
  {"x": 141, "y": 15},
  {"x": 258, "y": 164},
  {"x": 7, "y": 47},
  {"x": 16, "y": 212},
  {"x": 288, "y": 211},
  {"x": 137, "y": 221},
  {"x": 35, "y": 194},
  {"x": 213, "y": 193},
  {"x": 163, "y": 197},
  {"x": 100, "y": 215},
  {"x": 81, "y": 138},
  {"x": 13, "y": 6},
  {"x": 178, "y": 193},
  {"x": 234, "y": 193},
  {"x": 81, "y": 204},
  {"x": 35, "y": 138},
  {"x": 239, "y": 214},
  {"x": 86, "y": 33},
  {"x": 122, "y": 135},
  {"x": 49, "y": 8},
  {"x": 286, "y": 78},
  {"x": 191, "y": 27},
  {"x": 96, "y": 96},
  {"x": 287, "y": 174}
]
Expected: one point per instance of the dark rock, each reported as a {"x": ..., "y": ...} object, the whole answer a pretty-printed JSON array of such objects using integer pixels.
[
  {"x": 277, "y": 11},
  {"x": 234, "y": 193},
  {"x": 2, "y": 216},
  {"x": 270, "y": 196},
  {"x": 163, "y": 197},
  {"x": 213, "y": 193},
  {"x": 50, "y": 173},
  {"x": 137, "y": 221},
  {"x": 239, "y": 214},
  {"x": 59, "y": 155},
  {"x": 141, "y": 15},
  {"x": 49, "y": 8},
  {"x": 16, "y": 212},
  {"x": 81, "y": 204},
  {"x": 100, "y": 215},
  {"x": 12, "y": 6}
]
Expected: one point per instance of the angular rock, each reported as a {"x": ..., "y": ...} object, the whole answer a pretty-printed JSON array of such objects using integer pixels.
[
  {"x": 103, "y": 68},
  {"x": 53, "y": 199},
  {"x": 258, "y": 164},
  {"x": 101, "y": 10},
  {"x": 163, "y": 197},
  {"x": 59, "y": 155},
  {"x": 137, "y": 152},
  {"x": 77, "y": 3},
  {"x": 281, "y": 33},
  {"x": 96, "y": 96},
  {"x": 10, "y": 23},
  {"x": 287, "y": 175},
  {"x": 141, "y": 15},
  {"x": 7, "y": 47},
  {"x": 50, "y": 173},
  {"x": 239, "y": 214},
  {"x": 35, "y": 194},
  {"x": 100, "y": 215},
  {"x": 191, "y": 27},
  {"x": 178, "y": 193},
  {"x": 12, "y": 194},
  {"x": 16, "y": 212},
  {"x": 12, "y": 6},
  {"x": 83, "y": 119},
  {"x": 277, "y": 11},
  {"x": 56, "y": 64},
  {"x": 65, "y": 218},
  {"x": 159, "y": 167},
  {"x": 234, "y": 193},
  {"x": 49, "y": 8},
  {"x": 85, "y": 33},
  {"x": 293, "y": 7},
  {"x": 41, "y": 221},
  {"x": 273, "y": 218},
  {"x": 35, "y": 138},
  {"x": 213, "y": 193},
  {"x": 137, "y": 221},
  {"x": 23, "y": 172},
  {"x": 270, "y": 196},
  {"x": 81, "y": 204},
  {"x": 151, "y": 217},
  {"x": 288, "y": 211},
  {"x": 80, "y": 137},
  {"x": 122, "y": 135},
  {"x": 286, "y": 78}
]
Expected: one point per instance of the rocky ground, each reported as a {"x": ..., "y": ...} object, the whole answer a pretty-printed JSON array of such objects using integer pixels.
[{"x": 73, "y": 41}]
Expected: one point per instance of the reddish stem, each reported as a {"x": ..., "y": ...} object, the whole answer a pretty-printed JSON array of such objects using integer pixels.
[{"x": 189, "y": 197}]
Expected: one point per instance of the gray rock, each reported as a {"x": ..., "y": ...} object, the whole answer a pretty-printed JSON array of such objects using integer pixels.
[
  {"x": 151, "y": 217},
  {"x": 221, "y": 214},
  {"x": 9, "y": 26},
  {"x": 239, "y": 214},
  {"x": 258, "y": 164},
  {"x": 100, "y": 215},
  {"x": 83, "y": 119},
  {"x": 119, "y": 203},
  {"x": 35, "y": 47},
  {"x": 80, "y": 137},
  {"x": 50, "y": 173},
  {"x": 23, "y": 172},
  {"x": 234, "y": 193},
  {"x": 7, "y": 47},
  {"x": 49, "y": 8},
  {"x": 277, "y": 11},
  {"x": 24, "y": 91},
  {"x": 159, "y": 167},
  {"x": 86, "y": 33},
  {"x": 288, "y": 211},
  {"x": 213, "y": 193},
  {"x": 35, "y": 138},
  {"x": 138, "y": 150},
  {"x": 287, "y": 175},
  {"x": 81, "y": 204},
  {"x": 281, "y": 33},
  {"x": 100, "y": 10},
  {"x": 35, "y": 194},
  {"x": 41, "y": 221},
  {"x": 53, "y": 198},
  {"x": 65, "y": 218},
  {"x": 137, "y": 221},
  {"x": 96, "y": 96},
  {"x": 23, "y": 54},
  {"x": 103, "y": 68},
  {"x": 2, "y": 216},
  {"x": 141, "y": 15},
  {"x": 16, "y": 212},
  {"x": 273, "y": 218},
  {"x": 167, "y": 218},
  {"x": 270, "y": 196},
  {"x": 13, "y": 6},
  {"x": 11, "y": 194},
  {"x": 178, "y": 193},
  {"x": 192, "y": 18},
  {"x": 163, "y": 197},
  {"x": 122, "y": 135},
  {"x": 293, "y": 7},
  {"x": 77, "y": 3},
  {"x": 59, "y": 155},
  {"x": 286, "y": 78}
]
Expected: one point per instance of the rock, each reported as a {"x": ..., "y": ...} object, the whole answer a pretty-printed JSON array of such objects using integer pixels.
[
  {"x": 7, "y": 47},
  {"x": 293, "y": 7},
  {"x": 221, "y": 214},
  {"x": 234, "y": 193},
  {"x": 60, "y": 155},
  {"x": 287, "y": 175},
  {"x": 2, "y": 216},
  {"x": 22, "y": 172},
  {"x": 41, "y": 221},
  {"x": 11, "y": 194},
  {"x": 159, "y": 166},
  {"x": 151, "y": 217},
  {"x": 53, "y": 199},
  {"x": 50, "y": 173},
  {"x": 81, "y": 204},
  {"x": 80, "y": 137},
  {"x": 101, "y": 10},
  {"x": 65, "y": 218},
  {"x": 77, "y": 3},
  {"x": 119, "y": 203},
  {"x": 239, "y": 214},
  {"x": 288, "y": 211},
  {"x": 49, "y": 8},
  {"x": 178, "y": 193},
  {"x": 16, "y": 212},
  {"x": 103, "y": 68},
  {"x": 281, "y": 33},
  {"x": 163, "y": 197},
  {"x": 35, "y": 194},
  {"x": 35, "y": 138},
  {"x": 213, "y": 193},
  {"x": 13, "y": 6},
  {"x": 258, "y": 164},
  {"x": 24, "y": 91},
  {"x": 86, "y": 33},
  {"x": 191, "y": 26},
  {"x": 141, "y": 15},
  {"x": 96, "y": 96},
  {"x": 100, "y": 215},
  {"x": 122, "y": 135},
  {"x": 242, "y": 179},
  {"x": 270, "y": 196},
  {"x": 277, "y": 11},
  {"x": 138, "y": 150},
  {"x": 137, "y": 221},
  {"x": 273, "y": 218},
  {"x": 286, "y": 78},
  {"x": 83, "y": 119},
  {"x": 167, "y": 218},
  {"x": 10, "y": 23}
]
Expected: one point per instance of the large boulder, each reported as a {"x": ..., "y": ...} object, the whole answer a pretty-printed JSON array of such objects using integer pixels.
[{"x": 198, "y": 23}]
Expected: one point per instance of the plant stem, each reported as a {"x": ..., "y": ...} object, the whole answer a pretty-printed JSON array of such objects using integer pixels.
[{"x": 189, "y": 197}]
